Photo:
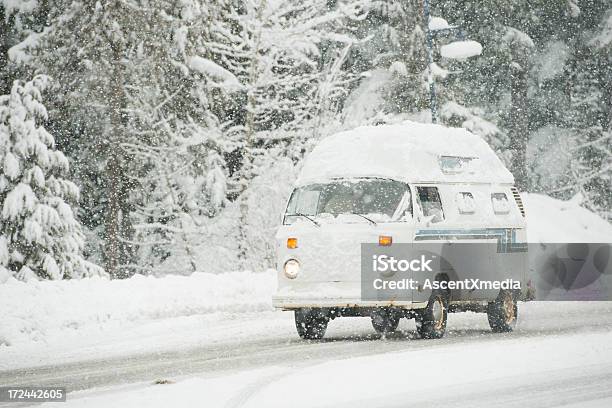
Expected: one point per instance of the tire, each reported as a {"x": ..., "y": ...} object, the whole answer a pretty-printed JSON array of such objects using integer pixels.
[
  {"x": 503, "y": 313},
  {"x": 431, "y": 321},
  {"x": 384, "y": 321},
  {"x": 311, "y": 324}
]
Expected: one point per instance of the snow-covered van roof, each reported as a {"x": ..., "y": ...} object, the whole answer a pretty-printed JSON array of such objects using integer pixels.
[{"x": 409, "y": 151}]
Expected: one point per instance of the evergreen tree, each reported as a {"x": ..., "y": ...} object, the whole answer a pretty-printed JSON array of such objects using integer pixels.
[
  {"x": 181, "y": 144},
  {"x": 590, "y": 118},
  {"x": 20, "y": 25},
  {"x": 39, "y": 232},
  {"x": 136, "y": 93}
]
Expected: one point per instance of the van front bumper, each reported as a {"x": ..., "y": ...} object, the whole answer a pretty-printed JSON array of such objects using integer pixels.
[{"x": 292, "y": 303}]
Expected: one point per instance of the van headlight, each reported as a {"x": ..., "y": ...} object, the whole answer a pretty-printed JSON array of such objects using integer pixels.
[{"x": 291, "y": 269}]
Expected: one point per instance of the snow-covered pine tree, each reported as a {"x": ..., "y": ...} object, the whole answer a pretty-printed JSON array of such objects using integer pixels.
[
  {"x": 20, "y": 23},
  {"x": 589, "y": 116},
  {"x": 134, "y": 97},
  {"x": 90, "y": 67},
  {"x": 180, "y": 142},
  {"x": 39, "y": 234}
]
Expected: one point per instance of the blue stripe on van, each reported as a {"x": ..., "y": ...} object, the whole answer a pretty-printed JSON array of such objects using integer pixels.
[{"x": 505, "y": 237}]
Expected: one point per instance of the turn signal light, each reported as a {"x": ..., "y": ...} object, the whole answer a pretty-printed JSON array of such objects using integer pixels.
[
  {"x": 384, "y": 240},
  {"x": 291, "y": 243}
]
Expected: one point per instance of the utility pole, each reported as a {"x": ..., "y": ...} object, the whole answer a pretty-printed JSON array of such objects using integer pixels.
[{"x": 430, "y": 79}]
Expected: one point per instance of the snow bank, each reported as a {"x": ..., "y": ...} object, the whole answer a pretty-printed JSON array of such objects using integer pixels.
[
  {"x": 552, "y": 220},
  {"x": 32, "y": 311},
  {"x": 564, "y": 222}
]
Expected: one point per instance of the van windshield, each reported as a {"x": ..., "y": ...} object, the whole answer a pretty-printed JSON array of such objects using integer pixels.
[{"x": 377, "y": 199}]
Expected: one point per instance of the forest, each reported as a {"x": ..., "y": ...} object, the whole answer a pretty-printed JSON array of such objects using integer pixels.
[{"x": 163, "y": 136}]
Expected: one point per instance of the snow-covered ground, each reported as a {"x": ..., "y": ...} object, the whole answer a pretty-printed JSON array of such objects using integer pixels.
[
  {"x": 560, "y": 353},
  {"x": 222, "y": 329},
  {"x": 58, "y": 321},
  {"x": 521, "y": 371}
]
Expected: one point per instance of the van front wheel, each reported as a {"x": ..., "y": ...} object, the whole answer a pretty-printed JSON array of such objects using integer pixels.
[
  {"x": 503, "y": 312},
  {"x": 431, "y": 321},
  {"x": 311, "y": 324}
]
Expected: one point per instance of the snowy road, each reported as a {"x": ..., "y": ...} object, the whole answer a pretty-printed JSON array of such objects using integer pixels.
[{"x": 561, "y": 353}]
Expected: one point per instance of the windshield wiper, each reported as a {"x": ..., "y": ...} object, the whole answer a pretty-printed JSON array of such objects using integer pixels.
[
  {"x": 305, "y": 216},
  {"x": 371, "y": 221}
]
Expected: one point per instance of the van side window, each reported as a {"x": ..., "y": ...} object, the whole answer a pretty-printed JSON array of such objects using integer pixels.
[
  {"x": 466, "y": 203},
  {"x": 429, "y": 200},
  {"x": 500, "y": 203}
]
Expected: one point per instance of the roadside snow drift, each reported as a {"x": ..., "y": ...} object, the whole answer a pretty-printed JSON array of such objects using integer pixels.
[
  {"x": 32, "y": 311},
  {"x": 564, "y": 223},
  {"x": 551, "y": 220}
]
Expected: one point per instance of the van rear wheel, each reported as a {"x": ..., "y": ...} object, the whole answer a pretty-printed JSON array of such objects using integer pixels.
[
  {"x": 502, "y": 313},
  {"x": 311, "y": 324},
  {"x": 384, "y": 320},
  {"x": 431, "y": 321}
]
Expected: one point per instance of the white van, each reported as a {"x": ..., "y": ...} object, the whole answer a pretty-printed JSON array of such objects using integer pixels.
[{"x": 391, "y": 185}]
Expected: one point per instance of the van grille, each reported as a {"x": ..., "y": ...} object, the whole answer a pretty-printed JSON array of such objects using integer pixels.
[{"x": 519, "y": 202}]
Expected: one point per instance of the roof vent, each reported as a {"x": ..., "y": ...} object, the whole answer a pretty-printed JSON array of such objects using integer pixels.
[{"x": 456, "y": 164}]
